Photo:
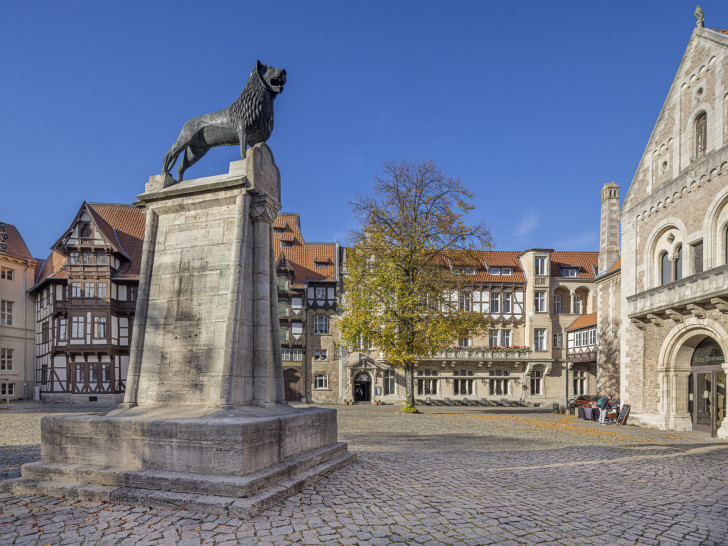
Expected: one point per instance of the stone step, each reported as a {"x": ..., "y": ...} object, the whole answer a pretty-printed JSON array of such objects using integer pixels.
[
  {"x": 181, "y": 482},
  {"x": 197, "y": 502}
]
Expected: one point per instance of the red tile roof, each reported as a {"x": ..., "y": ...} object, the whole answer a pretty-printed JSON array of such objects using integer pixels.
[
  {"x": 615, "y": 266},
  {"x": 587, "y": 262},
  {"x": 583, "y": 321},
  {"x": 310, "y": 261},
  {"x": 499, "y": 258},
  {"x": 14, "y": 244},
  {"x": 123, "y": 226}
]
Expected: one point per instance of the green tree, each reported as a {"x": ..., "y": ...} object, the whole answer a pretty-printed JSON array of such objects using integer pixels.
[{"x": 410, "y": 267}]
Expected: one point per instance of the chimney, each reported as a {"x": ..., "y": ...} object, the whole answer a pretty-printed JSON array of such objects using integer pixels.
[{"x": 609, "y": 227}]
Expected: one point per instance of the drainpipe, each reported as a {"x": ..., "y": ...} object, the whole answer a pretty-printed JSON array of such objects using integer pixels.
[{"x": 25, "y": 341}]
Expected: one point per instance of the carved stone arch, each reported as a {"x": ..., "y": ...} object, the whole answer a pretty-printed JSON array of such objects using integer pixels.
[
  {"x": 714, "y": 225},
  {"x": 657, "y": 243},
  {"x": 674, "y": 367}
]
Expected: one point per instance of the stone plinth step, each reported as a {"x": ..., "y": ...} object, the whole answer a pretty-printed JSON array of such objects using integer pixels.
[
  {"x": 181, "y": 482},
  {"x": 201, "y": 500}
]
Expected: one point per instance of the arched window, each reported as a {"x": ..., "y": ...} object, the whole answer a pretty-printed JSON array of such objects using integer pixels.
[
  {"x": 678, "y": 265},
  {"x": 665, "y": 268},
  {"x": 701, "y": 134}
]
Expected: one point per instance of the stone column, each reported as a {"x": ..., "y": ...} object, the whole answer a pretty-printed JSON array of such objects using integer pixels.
[
  {"x": 723, "y": 430},
  {"x": 263, "y": 211}
]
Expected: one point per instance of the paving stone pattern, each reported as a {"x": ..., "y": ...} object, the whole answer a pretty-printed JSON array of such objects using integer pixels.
[{"x": 448, "y": 476}]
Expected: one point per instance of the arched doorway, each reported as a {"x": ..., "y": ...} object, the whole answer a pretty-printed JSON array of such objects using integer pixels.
[
  {"x": 293, "y": 384},
  {"x": 707, "y": 387},
  {"x": 362, "y": 387}
]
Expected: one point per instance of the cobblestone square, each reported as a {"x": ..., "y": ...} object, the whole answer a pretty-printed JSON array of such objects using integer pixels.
[{"x": 447, "y": 476}]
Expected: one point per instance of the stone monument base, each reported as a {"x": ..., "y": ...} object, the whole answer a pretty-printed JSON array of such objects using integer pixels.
[{"x": 227, "y": 462}]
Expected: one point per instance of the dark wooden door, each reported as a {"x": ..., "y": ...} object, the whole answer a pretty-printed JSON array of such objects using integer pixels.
[{"x": 293, "y": 385}]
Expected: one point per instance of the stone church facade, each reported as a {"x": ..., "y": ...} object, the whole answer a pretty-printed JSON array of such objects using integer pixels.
[{"x": 674, "y": 257}]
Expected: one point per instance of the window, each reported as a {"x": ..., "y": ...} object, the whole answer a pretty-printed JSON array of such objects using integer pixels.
[
  {"x": 580, "y": 382},
  {"x": 6, "y": 359},
  {"x": 495, "y": 271},
  {"x": 426, "y": 382},
  {"x": 701, "y": 134},
  {"x": 540, "y": 301},
  {"x": 88, "y": 289},
  {"x": 665, "y": 274},
  {"x": 285, "y": 333},
  {"x": 389, "y": 382},
  {"x": 88, "y": 258},
  {"x": 321, "y": 355},
  {"x": 74, "y": 258},
  {"x": 292, "y": 355},
  {"x": 465, "y": 301},
  {"x": 75, "y": 289},
  {"x": 93, "y": 373},
  {"x": 536, "y": 382},
  {"x": 101, "y": 289},
  {"x": 507, "y": 303},
  {"x": 321, "y": 325},
  {"x": 557, "y": 304},
  {"x": 505, "y": 338},
  {"x": 498, "y": 387},
  {"x": 577, "y": 339},
  {"x": 539, "y": 339},
  {"x": 62, "y": 329},
  {"x": 540, "y": 266},
  {"x": 282, "y": 282},
  {"x": 45, "y": 332},
  {"x": 320, "y": 292},
  {"x": 84, "y": 229},
  {"x": 570, "y": 272},
  {"x": 77, "y": 327},
  {"x": 6, "y": 313},
  {"x": 99, "y": 327},
  {"x": 101, "y": 259},
  {"x": 698, "y": 257},
  {"x": 320, "y": 381},
  {"x": 678, "y": 264},
  {"x": 7, "y": 273},
  {"x": 283, "y": 308},
  {"x": 506, "y": 271},
  {"x": 558, "y": 341},
  {"x": 577, "y": 305},
  {"x": 80, "y": 373},
  {"x": 592, "y": 337},
  {"x": 463, "y": 386},
  {"x": 7, "y": 389},
  {"x": 105, "y": 373},
  {"x": 132, "y": 292},
  {"x": 493, "y": 338},
  {"x": 495, "y": 303}
]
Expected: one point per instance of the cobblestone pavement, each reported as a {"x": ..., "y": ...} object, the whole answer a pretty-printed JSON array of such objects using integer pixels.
[{"x": 448, "y": 476}]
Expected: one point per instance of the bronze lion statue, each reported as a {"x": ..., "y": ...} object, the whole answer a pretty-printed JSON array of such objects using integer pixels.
[{"x": 247, "y": 121}]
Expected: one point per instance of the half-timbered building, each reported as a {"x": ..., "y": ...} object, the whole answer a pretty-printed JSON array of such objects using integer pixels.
[
  {"x": 581, "y": 356},
  {"x": 85, "y": 297},
  {"x": 308, "y": 292}
]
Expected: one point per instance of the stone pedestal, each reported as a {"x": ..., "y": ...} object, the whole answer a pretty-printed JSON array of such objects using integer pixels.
[{"x": 204, "y": 424}]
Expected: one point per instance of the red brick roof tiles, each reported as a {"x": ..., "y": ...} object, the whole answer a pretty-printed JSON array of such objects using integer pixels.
[
  {"x": 310, "y": 261},
  {"x": 583, "y": 321},
  {"x": 587, "y": 262},
  {"x": 615, "y": 266},
  {"x": 14, "y": 244}
]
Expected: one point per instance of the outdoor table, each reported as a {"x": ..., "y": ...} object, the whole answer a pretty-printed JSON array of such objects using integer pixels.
[{"x": 581, "y": 412}]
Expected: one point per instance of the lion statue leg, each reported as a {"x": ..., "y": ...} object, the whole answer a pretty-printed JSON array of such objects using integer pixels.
[{"x": 191, "y": 156}]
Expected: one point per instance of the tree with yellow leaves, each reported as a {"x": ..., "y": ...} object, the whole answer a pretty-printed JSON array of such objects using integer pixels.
[{"x": 409, "y": 263}]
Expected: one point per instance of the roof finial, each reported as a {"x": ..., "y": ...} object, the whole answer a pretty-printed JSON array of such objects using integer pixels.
[{"x": 700, "y": 23}]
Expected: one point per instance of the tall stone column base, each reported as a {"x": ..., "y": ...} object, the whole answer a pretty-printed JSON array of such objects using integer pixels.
[{"x": 235, "y": 463}]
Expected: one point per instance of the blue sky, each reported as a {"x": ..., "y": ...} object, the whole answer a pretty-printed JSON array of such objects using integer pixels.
[{"x": 534, "y": 104}]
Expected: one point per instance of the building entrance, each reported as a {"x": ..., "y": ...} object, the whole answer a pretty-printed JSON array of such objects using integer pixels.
[
  {"x": 707, "y": 388},
  {"x": 293, "y": 385},
  {"x": 362, "y": 387}
]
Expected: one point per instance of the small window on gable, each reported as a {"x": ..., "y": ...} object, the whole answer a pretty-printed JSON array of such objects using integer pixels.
[
  {"x": 495, "y": 271},
  {"x": 506, "y": 271},
  {"x": 84, "y": 229},
  {"x": 570, "y": 272},
  {"x": 701, "y": 134}
]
